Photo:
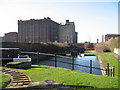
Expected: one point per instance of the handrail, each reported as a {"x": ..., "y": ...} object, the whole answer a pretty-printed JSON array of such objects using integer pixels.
[{"x": 108, "y": 67}]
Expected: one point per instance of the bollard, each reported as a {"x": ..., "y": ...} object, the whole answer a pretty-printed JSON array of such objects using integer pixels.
[
  {"x": 107, "y": 69},
  {"x": 38, "y": 58},
  {"x": 73, "y": 63},
  {"x": 55, "y": 61},
  {"x": 90, "y": 66},
  {"x": 113, "y": 71}
]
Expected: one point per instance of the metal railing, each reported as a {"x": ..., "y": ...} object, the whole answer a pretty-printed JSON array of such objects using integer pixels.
[{"x": 109, "y": 70}]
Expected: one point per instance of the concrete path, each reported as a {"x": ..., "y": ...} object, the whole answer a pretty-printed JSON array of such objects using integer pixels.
[{"x": 18, "y": 79}]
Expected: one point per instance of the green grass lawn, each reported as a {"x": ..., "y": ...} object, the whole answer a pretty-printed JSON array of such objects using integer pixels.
[
  {"x": 108, "y": 58},
  {"x": 4, "y": 80},
  {"x": 89, "y": 53},
  {"x": 70, "y": 77}
]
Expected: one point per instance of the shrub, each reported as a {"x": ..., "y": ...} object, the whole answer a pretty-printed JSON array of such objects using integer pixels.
[{"x": 102, "y": 47}]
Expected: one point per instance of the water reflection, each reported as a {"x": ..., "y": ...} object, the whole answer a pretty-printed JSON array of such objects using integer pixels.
[{"x": 85, "y": 60}]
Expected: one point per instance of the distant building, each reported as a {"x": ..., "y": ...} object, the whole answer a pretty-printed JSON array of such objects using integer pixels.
[
  {"x": 67, "y": 33},
  {"x": 1, "y": 39},
  {"x": 10, "y": 37},
  {"x": 75, "y": 38},
  {"x": 38, "y": 30},
  {"x": 109, "y": 36},
  {"x": 46, "y": 30}
]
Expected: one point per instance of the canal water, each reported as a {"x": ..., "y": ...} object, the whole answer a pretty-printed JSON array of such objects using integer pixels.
[{"x": 85, "y": 60}]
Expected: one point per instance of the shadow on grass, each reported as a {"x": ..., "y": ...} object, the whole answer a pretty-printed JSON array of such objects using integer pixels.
[
  {"x": 80, "y": 86},
  {"x": 31, "y": 67},
  {"x": 52, "y": 87}
]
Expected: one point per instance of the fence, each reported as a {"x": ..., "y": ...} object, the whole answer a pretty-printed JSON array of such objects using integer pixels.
[{"x": 109, "y": 70}]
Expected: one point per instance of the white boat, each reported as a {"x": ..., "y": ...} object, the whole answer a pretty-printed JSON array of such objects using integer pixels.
[
  {"x": 22, "y": 58},
  {"x": 81, "y": 55},
  {"x": 68, "y": 54}
]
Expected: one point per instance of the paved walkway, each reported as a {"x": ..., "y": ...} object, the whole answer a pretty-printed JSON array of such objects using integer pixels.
[{"x": 18, "y": 79}]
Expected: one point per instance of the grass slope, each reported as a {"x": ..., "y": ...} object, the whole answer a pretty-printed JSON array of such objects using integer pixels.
[
  {"x": 106, "y": 57},
  {"x": 70, "y": 77},
  {"x": 89, "y": 53},
  {"x": 4, "y": 80},
  {"x": 113, "y": 43}
]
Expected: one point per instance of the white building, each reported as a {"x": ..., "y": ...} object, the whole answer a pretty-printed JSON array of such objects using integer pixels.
[{"x": 117, "y": 51}]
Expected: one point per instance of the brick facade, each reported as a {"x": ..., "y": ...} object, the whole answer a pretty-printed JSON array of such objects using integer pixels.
[
  {"x": 10, "y": 37},
  {"x": 35, "y": 31},
  {"x": 109, "y": 36},
  {"x": 46, "y": 30}
]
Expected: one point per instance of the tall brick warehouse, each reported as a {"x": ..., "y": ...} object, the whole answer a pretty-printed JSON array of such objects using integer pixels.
[
  {"x": 35, "y": 31},
  {"x": 46, "y": 30}
]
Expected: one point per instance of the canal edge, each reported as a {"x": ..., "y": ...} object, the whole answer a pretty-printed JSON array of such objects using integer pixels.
[{"x": 102, "y": 71}]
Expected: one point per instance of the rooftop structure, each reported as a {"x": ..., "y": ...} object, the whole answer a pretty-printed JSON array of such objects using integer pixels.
[{"x": 109, "y": 36}]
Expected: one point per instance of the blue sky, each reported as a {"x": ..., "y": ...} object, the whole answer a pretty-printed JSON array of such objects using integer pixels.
[{"x": 92, "y": 19}]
